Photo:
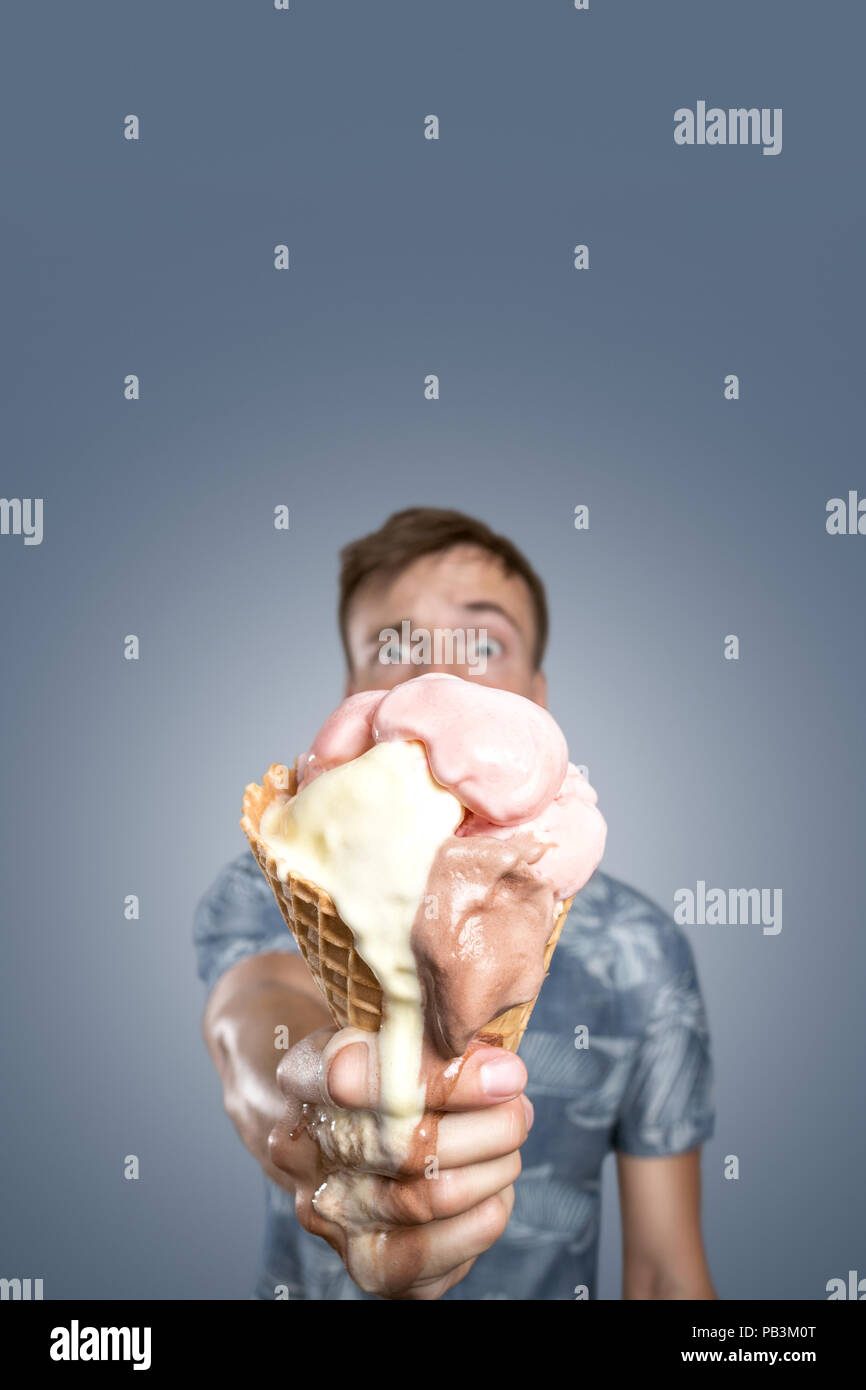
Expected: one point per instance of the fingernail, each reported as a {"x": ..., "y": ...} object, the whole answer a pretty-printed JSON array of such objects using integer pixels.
[
  {"x": 503, "y": 1076},
  {"x": 529, "y": 1108}
]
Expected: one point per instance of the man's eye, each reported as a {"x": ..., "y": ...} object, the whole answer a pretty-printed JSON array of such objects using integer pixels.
[{"x": 489, "y": 646}]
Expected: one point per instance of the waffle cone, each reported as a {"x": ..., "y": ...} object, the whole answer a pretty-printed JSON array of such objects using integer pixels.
[{"x": 351, "y": 990}]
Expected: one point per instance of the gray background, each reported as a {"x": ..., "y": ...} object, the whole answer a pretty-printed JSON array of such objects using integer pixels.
[{"x": 605, "y": 387}]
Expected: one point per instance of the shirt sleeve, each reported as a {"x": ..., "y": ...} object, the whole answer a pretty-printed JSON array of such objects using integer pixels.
[
  {"x": 238, "y": 916},
  {"x": 668, "y": 1102}
]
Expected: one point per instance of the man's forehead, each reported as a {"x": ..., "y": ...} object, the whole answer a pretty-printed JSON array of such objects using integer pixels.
[{"x": 451, "y": 573}]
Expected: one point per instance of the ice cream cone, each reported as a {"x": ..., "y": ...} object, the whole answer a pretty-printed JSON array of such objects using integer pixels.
[{"x": 351, "y": 990}]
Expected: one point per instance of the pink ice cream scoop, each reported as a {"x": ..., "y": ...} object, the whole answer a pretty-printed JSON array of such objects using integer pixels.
[{"x": 503, "y": 756}]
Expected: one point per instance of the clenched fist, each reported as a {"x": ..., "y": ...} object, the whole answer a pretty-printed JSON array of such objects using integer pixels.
[{"x": 405, "y": 1229}]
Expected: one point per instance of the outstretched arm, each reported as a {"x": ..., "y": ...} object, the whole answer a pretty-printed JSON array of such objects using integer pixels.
[{"x": 248, "y": 1002}]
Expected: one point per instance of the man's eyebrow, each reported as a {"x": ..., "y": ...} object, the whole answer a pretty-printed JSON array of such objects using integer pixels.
[
  {"x": 374, "y": 636},
  {"x": 486, "y": 606}
]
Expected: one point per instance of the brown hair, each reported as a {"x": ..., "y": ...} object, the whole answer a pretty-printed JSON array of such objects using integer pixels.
[{"x": 417, "y": 531}]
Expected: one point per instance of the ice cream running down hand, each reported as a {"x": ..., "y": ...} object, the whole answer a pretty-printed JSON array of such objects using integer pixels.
[{"x": 446, "y": 824}]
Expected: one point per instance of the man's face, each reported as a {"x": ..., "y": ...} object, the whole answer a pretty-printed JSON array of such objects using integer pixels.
[{"x": 462, "y": 589}]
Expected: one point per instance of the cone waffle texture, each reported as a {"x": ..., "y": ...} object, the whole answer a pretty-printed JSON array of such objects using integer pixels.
[{"x": 351, "y": 990}]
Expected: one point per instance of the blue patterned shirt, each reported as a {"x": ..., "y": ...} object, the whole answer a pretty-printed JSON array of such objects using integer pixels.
[{"x": 618, "y": 1055}]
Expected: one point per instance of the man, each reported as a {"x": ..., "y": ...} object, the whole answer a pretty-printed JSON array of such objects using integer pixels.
[{"x": 616, "y": 1056}]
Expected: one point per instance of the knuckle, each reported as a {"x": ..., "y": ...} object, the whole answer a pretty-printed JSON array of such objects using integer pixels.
[
  {"x": 367, "y": 1273},
  {"x": 279, "y": 1149},
  {"x": 515, "y": 1127},
  {"x": 491, "y": 1219},
  {"x": 275, "y": 1148},
  {"x": 445, "y": 1200},
  {"x": 499, "y": 1214},
  {"x": 515, "y": 1165}
]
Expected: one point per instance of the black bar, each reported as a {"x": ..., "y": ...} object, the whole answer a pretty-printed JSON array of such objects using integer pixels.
[{"x": 292, "y": 1336}]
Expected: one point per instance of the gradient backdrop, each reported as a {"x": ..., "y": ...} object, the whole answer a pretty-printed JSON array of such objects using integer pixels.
[{"x": 305, "y": 387}]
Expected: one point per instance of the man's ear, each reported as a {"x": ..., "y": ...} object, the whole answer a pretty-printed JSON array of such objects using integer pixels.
[{"x": 539, "y": 689}]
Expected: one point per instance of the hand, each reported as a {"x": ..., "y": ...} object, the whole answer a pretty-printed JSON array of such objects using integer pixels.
[{"x": 414, "y": 1230}]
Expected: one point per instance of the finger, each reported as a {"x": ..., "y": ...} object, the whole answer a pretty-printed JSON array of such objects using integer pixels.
[
  {"x": 430, "y": 1286},
  {"x": 290, "y": 1147},
  {"x": 483, "y": 1076},
  {"x": 303, "y": 1072},
  {"x": 342, "y": 1068},
  {"x": 479, "y": 1135},
  {"x": 391, "y": 1262},
  {"x": 354, "y": 1199},
  {"x": 429, "y": 1289}
]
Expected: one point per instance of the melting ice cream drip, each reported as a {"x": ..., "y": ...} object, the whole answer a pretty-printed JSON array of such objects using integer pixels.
[{"x": 375, "y": 866}]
